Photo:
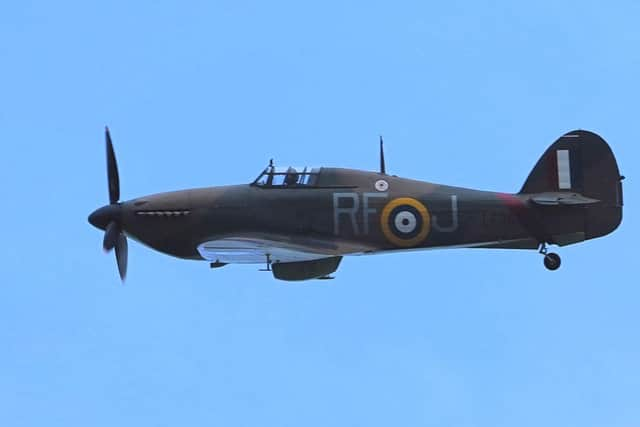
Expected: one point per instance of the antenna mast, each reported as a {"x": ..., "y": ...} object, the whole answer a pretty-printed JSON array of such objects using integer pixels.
[{"x": 383, "y": 169}]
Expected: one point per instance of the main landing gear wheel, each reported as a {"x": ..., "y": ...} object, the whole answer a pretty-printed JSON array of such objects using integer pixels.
[{"x": 552, "y": 261}]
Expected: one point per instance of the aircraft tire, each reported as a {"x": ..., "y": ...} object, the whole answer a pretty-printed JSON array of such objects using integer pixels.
[{"x": 552, "y": 261}]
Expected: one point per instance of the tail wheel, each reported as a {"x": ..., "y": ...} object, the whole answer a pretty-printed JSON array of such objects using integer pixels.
[{"x": 552, "y": 261}]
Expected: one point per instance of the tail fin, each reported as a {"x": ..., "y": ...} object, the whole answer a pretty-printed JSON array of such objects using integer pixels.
[{"x": 582, "y": 162}]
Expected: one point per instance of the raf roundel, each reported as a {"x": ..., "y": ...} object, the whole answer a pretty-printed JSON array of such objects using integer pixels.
[
  {"x": 382, "y": 185},
  {"x": 405, "y": 222}
]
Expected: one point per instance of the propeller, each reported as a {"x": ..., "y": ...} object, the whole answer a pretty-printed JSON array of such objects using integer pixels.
[{"x": 109, "y": 217}]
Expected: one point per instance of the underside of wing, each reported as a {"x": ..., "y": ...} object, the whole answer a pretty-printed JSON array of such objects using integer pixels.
[
  {"x": 258, "y": 249},
  {"x": 254, "y": 251},
  {"x": 289, "y": 260}
]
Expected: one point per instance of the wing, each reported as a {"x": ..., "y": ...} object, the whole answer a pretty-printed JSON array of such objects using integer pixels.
[
  {"x": 245, "y": 250},
  {"x": 254, "y": 249},
  {"x": 290, "y": 258}
]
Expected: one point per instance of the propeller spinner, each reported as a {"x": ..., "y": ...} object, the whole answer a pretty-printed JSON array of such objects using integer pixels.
[{"x": 109, "y": 217}]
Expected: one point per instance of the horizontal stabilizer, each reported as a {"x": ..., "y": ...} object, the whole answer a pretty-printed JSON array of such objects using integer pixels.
[{"x": 564, "y": 199}]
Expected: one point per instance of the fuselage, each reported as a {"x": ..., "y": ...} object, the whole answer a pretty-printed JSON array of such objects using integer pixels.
[{"x": 346, "y": 211}]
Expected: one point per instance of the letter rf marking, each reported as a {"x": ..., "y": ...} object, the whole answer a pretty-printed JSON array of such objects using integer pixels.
[
  {"x": 349, "y": 211},
  {"x": 366, "y": 210}
]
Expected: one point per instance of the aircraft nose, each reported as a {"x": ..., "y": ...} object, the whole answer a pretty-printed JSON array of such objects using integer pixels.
[{"x": 101, "y": 217}]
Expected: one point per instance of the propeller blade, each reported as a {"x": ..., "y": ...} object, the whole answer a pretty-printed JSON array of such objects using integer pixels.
[
  {"x": 112, "y": 170},
  {"x": 111, "y": 234},
  {"x": 121, "y": 255}
]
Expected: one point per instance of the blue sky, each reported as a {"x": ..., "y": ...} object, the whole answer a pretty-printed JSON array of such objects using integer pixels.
[{"x": 204, "y": 93}]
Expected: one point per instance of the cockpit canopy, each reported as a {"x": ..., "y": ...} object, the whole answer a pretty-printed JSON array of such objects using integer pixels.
[{"x": 291, "y": 177}]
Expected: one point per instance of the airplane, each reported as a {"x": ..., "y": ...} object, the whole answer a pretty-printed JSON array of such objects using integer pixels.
[{"x": 300, "y": 222}]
